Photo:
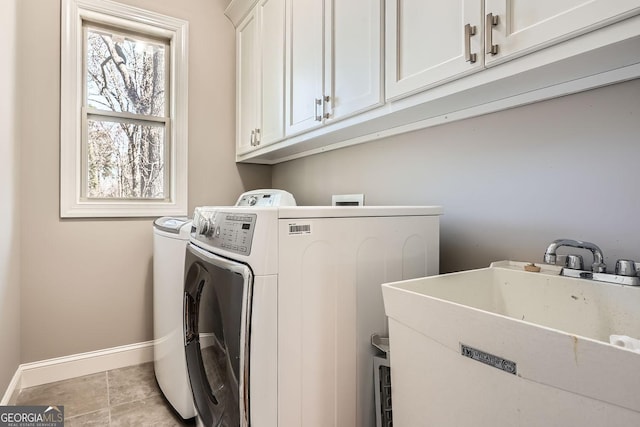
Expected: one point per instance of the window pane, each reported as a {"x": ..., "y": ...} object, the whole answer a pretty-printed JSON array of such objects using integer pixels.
[
  {"x": 125, "y": 74},
  {"x": 125, "y": 160}
]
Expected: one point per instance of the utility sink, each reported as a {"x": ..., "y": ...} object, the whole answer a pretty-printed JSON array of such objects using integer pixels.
[{"x": 502, "y": 346}]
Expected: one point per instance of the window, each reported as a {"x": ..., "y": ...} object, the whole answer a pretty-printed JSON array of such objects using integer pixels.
[
  {"x": 123, "y": 112},
  {"x": 124, "y": 116}
]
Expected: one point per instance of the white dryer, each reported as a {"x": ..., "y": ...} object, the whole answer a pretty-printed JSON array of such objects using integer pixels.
[{"x": 280, "y": 305}]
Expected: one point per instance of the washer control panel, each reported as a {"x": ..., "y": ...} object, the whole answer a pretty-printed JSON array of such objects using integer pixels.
[{"x": 231, "y": 231}]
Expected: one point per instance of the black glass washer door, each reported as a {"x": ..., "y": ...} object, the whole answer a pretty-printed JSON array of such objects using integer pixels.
[{"x": 217, "y": 309}]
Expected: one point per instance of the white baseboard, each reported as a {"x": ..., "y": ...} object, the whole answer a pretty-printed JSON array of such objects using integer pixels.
[{"x": 77, "y": 365}]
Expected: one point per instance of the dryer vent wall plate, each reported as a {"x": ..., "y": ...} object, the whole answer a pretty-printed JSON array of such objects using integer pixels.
[{"x": 347, "y": 200}]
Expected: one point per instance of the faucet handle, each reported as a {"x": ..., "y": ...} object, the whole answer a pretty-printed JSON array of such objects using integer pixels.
[
  {"x": 574, "y": 262},
  {"x": 625, "y": 267}
]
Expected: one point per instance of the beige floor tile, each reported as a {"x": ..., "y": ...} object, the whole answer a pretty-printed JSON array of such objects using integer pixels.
[
  {"x": 93, "y": 419},
  {"x": 122, "y": 397},
  {"x": 79, "y": 396},
  {"x": 132, "y": 383},
  {"x": 153, "y": 411}
]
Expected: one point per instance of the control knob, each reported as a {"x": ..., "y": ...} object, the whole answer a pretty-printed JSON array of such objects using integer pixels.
[{"x": 206, "y": 227}]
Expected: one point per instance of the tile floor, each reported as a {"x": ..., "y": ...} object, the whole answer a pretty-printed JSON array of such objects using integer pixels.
[{"x": 122, "y": 397}]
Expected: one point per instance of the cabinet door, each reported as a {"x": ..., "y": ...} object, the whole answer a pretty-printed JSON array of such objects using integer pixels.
[
  {"x": 271, "y": 14},
  {"x": 247, "y": 84},
  {"x": 353, "y": 64},
  {"x": 524, "y": 25},
  {"x": 304, "y": 64},
  {"x": 425, "y": 43}
]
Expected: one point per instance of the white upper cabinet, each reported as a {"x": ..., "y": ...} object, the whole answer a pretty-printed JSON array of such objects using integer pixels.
[
  {"x": 304, "y": 65},
  {"x": 429, "y": 42},
  {"x": 524, "y": 26},
  {"x": 310, "y": 72},
  {"x": 246, "y": 85},
  {"x": 272, "y": 70},
  {"x": 260, "y": 77},
  {"x": 333, "y": 57},
  {"x": 353, "y": 69}
]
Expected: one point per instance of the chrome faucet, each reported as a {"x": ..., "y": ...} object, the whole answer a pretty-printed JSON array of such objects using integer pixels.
[{"x": 598, "y": 265}]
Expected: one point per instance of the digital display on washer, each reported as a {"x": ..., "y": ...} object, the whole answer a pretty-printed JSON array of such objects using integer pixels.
[{"x": 234, "y": 232}]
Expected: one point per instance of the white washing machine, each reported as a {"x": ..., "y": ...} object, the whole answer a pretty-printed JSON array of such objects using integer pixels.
[
  {"x": 170, "y": 238},
  {"x": 281, "y": 303}
]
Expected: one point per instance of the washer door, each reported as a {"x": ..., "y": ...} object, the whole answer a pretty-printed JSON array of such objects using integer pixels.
[{"x": 217, "y": 310}]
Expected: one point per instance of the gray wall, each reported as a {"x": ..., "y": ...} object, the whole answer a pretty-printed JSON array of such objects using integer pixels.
[
  {"x": 510, "y": 182},
  {"x": 87, "y": 284},
  {"x": 9, "y": 202}
]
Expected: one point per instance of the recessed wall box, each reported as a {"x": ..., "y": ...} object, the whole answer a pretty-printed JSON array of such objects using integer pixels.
[{"x": 347, "y": 200}]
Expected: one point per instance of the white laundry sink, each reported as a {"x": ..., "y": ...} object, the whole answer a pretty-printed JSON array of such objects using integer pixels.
[{"x": 501, "y": 346}]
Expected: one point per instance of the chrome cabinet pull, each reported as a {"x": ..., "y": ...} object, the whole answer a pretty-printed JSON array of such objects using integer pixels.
[
  {"x": 317, "y": 103},
  {"x": 253, "y": 137},
  {"x": 325, "y": 107},
  {"x": 257, "y": 136},
  {"x": 491, "y": 22},
  {"x": 469, "y": 30}
]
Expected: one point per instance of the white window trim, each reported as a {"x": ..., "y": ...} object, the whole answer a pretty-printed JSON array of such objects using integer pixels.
[{"x": 71, "y": 89}]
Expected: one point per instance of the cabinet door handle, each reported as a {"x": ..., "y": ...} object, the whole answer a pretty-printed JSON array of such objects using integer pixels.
[
  {"x": 317, "y": 103},
  {"x": 491, "y": 22},
  {"x": 257, "y": 136},
  {"x": 325, "y": 107},
  {"x": 469, "y": 30},
  {"x": 253, "y": 137}
]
